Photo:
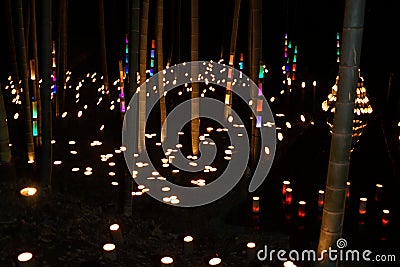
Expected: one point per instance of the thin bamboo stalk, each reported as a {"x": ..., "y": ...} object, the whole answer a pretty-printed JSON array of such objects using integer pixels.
[
  {"x": 142, "y": 69},
  {"x": 45, "y": 93},
  {"x": 103, "y": 44},
  {"x": 13, "y": 53},
  {"x": 36, "y": 90},
  {"x": 5, "y": 151},
  {"x": 195, "y": 123},
  {"x": 26, "y": 114},
  {"x": 160, "y": 66}
]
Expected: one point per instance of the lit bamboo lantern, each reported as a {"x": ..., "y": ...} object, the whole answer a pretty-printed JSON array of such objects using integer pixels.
[
  {"x": 28, "y": 194},
  {"x": 32, "y": 69},
  {"x": 288, "y": 197},
  {"x": 363, "y": 206},
  {"x": 28, "y": 191},
  {"x": 109, "y": 252},
  {"x": 26, "y": 260},
  {"x": 321, "y": 195},
  {"x": 289, "y": 264},
  {"x": 251, "y": 250},
  {"x": 385, "y": 217},
  {"x": 214, "y": 261},
  {"x": 347, "y": 190},
  {"x": 167, "y": 262},
  {"x": 116, "y": 234},
  {"x": 378, "y": 192},
  {"x": 256, "y": 205},
  {"x": 286, "y": 184},
  {"x": 188, "y": 244},
  {"x": 302, "y": 209}
]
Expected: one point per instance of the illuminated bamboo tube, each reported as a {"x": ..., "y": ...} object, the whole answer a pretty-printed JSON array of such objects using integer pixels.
[
  {"x": 256, "y": 205},
  {"x": 289, "y": 264},
  {"x": 286, "y": 184},
  {"x": 378, "y": 192},
  {"x": 321, "y": 194},
  {"x": 363, "y": 206},
  {"x": 348, "y": 190},
  {"x": 251, "y": 250},
  {"x": 385, "y": 217},
  {"x": 116, "y": 234},
  {"x": 167, "y": 262},
  {"x": 302, "y": 209},
  {"x": 214, "y": 261},
  {"x": 288, "y": 197},
  {"x": 188, "y": 244},
  {"x": 26, "y": 260},
  {"x": 109, "y": 252},
  {"x": 28, "y": 194}
]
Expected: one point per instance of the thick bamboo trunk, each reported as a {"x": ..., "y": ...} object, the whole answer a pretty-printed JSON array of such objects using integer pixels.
[
  {"x": 5, "y": 152},
  {"x": 23, "y": 69},
  {"x": 339, "y": 159},
  {"x": 160, "y": 66},
  {"x": 45, "y": 93},
  {"x": 13, "y": 53},
  {"x": 103, "y": 44},
  {"x": 195, "y": 123},
  {"x": 255, "y": 67},
  {"x": 142, "y": 70}
]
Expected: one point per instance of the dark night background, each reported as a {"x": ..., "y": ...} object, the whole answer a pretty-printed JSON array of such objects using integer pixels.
[{"x": 312, "y": 25}]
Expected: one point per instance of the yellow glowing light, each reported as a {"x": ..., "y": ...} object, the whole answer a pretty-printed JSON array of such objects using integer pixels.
[
  {"x": 167, "y": 260},
  {"x": 28, "y": 191},
  {"x": 215, "y": 261},
  {"x": 24, "y": 257},
  {"x": 188, "y": 239},
  {"x": 114, "y": 227},
  {"x": 386, "y": 211},
  {"x": 251, "y": 245},
  {"x": 109, "y": 247}
]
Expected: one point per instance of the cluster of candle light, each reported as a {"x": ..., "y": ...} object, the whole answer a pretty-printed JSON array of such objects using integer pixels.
[{"x": 362, "y": 107}]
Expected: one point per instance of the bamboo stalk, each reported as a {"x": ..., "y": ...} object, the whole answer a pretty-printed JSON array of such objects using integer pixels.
[
  {"x": 5, "y": 151},
  {"x": 195, "y": 122},
  {"x": 36, "y": 90},
  {"x": 103, "y": 44},
  {"x": 160, "y": 66},
  {"x": 133, "y": 69},
  {"x": 255, "y": 65},
  {"x": 26, "y": 114},
  {"x": 228, "y": 94},
  {"x": 13, "y": 53},
  {"x": 339, "y": 159},
  {"x": 62, "y": 55},
  {"x": 45, "y": 93},
  {"x": 142, "y": 69}
]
